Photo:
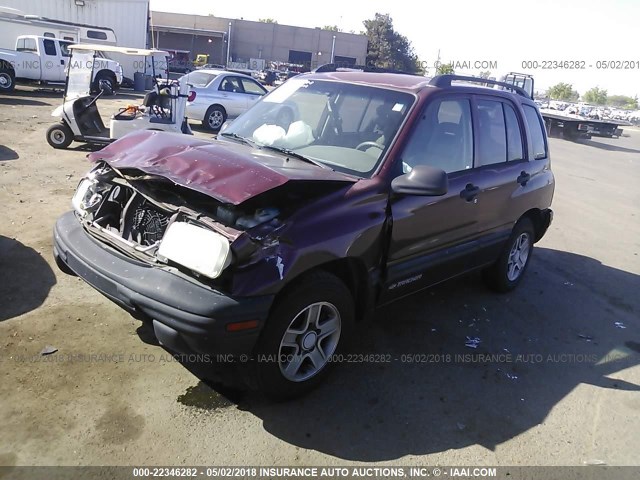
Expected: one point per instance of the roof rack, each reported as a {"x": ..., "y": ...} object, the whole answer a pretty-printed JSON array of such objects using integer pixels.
[
  {"x": 344, "y": 67},
  {"x": 445, "y": 81}
]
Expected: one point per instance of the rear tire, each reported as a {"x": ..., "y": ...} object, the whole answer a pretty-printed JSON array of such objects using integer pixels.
[
  {"x": 312, "y": 322},
  {"x": 507, "y": 272},
  {"x": 7, "y": 80},
  {"x": 59, "y": 135},
  {"x": 214, "y": 118}
]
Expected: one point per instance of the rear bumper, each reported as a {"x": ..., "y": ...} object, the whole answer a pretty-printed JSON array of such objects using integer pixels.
[
  {"x": 546, "y": 217},
  {"x": 195, "y": 111},
  {"x": 187, "y": 317}
]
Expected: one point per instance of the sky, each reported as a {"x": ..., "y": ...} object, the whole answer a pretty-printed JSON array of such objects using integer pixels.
[{"x": 477, "y": 33}]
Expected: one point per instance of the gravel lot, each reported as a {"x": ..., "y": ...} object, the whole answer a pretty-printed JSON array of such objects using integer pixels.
[{"x": 571, "y": 397}]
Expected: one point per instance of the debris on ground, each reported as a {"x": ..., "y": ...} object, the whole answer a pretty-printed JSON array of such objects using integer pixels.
[
  {"x": 620, "y": 325},
  {"x": 588, "y": 338},
  {"x": 472, "y": 342},
  {"x": 48, "y": 350}
]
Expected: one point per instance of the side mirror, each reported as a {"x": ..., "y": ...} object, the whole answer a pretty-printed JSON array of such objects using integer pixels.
[
  {"x": 224, "y": 126},
  {"x": 422, "y": 180}
]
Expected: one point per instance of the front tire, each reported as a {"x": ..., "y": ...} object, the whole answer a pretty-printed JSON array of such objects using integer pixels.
[
  {"x": 7, "y": 80},
  {"x": 214, "y": 118},
  {"x": 507, "y": 272},
  {"x": 105, "y": 81},
  {"x": 312, "y": 322},
  {"x": 59, "y": 135}
]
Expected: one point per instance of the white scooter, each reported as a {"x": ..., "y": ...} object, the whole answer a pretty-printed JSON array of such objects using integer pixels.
[{"x": 163, "y": 108}]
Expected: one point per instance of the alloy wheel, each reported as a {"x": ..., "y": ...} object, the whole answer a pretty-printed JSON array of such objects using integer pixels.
[
  {"x": 309, "y": 341},
  {"x": 518, "y": 256}
]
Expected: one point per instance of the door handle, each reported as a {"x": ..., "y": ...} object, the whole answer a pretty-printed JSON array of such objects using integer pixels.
[
  {"x": 470, "y": 192},
  {"x": 61, "y": 61},
  {"x": 523, "y": 178}
]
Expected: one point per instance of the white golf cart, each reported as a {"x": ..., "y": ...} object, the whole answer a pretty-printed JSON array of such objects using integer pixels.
[{"x": 163, "y": 108}]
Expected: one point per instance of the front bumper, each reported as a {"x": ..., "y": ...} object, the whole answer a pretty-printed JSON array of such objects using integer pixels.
[{"x": 187, "y": 317}]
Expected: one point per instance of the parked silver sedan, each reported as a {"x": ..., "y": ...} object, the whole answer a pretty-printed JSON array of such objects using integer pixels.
[{"x": 215, "y": 95}]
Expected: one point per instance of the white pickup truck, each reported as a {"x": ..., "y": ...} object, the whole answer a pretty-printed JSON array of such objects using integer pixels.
[{"x": 45, "y": 60}]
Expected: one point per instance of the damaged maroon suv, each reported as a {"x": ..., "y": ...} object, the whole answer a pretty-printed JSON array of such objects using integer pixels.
[{"x": 336, "y": 193}]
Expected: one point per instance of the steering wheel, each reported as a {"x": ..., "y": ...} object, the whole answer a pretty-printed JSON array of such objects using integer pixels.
[
  {"x": 364, "y": 145},
  {"x": 94, "y": 100}
]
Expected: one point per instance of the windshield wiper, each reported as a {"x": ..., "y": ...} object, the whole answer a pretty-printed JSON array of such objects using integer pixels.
[
  {"x": 240, "y": 138},
  {"x": 291, "y": 153}
]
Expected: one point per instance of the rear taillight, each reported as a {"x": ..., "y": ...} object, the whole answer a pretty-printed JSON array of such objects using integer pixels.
[{"x": 192, "y": 96}]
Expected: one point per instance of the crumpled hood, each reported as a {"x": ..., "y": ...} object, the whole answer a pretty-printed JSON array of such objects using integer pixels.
[{"x": 225, "y": 171}]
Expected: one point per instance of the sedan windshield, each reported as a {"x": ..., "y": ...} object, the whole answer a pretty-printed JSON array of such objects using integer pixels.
[
  {"x": 344, "y": 126},
  {"x": 199, "y": 79}
]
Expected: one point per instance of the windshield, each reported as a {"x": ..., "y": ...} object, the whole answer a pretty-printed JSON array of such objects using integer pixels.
[
  {"x": 101, "y": 54},
  {"x": 80, "y": 70},
  {"x": 199, "y": 79},
  {"x": 344, "y": 126}
]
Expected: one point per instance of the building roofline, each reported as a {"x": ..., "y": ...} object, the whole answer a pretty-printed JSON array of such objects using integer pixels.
[{"x": 226, "y": 19}]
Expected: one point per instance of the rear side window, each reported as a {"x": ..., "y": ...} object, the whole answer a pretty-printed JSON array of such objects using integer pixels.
[
  {"x": 231, "y": 84},
  {"x": 514, "y": 135},
  {"x": 26, "y": 45},
  {"x": 491, "y": 135},
  {"x": 49, "y": 47},
  {"x": 443, "y": 138},
  {"x": 96, "y": 35},
  {"x": 537, "y": 134}
]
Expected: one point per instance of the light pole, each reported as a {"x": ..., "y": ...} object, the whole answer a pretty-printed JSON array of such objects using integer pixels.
[
  {"x": 333, "y": 48},
  {"x": 229, "y": 44}
]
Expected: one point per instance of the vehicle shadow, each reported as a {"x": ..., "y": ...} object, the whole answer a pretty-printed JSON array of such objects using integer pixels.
[
  {"x": 21, "y": 101},
  {"x": 561, "y": 322},
  {"x": 129, "y": 95},
  {"x": 27, "y": 278},
  {"x": 7, "y": 153},
  {"x": 86, "y": 147},
  {"x": 198, "y": 127},
  {"x": 607, "y": 146}
]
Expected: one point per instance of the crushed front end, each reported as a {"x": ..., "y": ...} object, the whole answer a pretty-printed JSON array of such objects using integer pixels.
[{"x": 162, "y": 252}]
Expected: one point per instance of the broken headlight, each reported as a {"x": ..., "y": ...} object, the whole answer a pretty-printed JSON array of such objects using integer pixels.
[
  {"x": 91, "y": 189},
  {"x": 203, "y": 251},
  {"x": 88, "y": 195}
]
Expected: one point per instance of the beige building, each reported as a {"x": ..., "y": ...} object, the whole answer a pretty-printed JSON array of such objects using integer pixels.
[{"x": 253, "y": 40}]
